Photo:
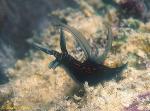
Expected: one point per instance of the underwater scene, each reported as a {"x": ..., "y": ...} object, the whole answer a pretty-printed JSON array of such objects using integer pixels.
[{"x": 74, "y": 55}]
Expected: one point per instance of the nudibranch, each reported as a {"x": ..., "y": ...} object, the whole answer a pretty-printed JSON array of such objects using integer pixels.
[{"x": 92, "y": 70}]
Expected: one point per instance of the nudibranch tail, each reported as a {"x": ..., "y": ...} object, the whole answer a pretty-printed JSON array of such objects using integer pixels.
[{"x": 118, "y": 70}]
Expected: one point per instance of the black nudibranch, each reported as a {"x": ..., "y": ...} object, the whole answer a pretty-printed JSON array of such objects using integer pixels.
[{"x": 92, "y": 69}]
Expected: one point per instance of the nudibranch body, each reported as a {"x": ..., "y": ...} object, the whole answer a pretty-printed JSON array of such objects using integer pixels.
[{"x": 92, "y": 69}]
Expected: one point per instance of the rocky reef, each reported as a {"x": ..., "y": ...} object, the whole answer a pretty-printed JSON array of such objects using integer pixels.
[{"x": 33, "y": 86}]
